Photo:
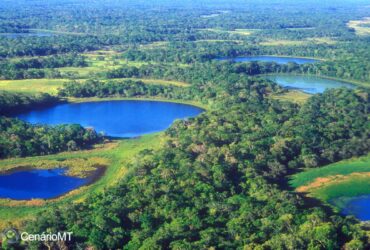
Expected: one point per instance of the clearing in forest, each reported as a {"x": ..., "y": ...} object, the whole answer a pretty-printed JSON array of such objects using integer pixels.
[
  {"x": 362, "y": 27},
  {"x": 348, "y": 178}
]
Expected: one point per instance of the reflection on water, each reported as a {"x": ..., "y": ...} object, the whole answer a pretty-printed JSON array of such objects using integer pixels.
[
  {"x": 38, "y": 184},
  {"x": 308, "y": 84},
  {"x": 115, "y": 118}
]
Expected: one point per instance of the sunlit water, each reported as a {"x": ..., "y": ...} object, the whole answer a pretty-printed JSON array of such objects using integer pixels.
[
  {"x": 38, "y": 184},
  {"x": 308, "y": 84},
  {"x": 357, "y": 206},
  {"x": 115, "y": 118}
]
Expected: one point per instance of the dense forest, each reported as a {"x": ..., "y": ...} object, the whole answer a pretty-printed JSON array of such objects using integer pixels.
[
  {"x": 20, "y": 139},
  {"x": 212, "y": 184},
  {"x": 345, "y": 65},
  {"x": 35, "y": 67},
  {"x": 129, "y": 88},
  {"x": 219, "y": 180},
  {"x": 12, "y": 103}
]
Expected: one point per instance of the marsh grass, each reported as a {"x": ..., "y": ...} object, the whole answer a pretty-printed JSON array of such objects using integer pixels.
[
  {"x": 335, "y": 183},
  {"x": 294, "y": 96},
  {"x": 346, "y": 167}
]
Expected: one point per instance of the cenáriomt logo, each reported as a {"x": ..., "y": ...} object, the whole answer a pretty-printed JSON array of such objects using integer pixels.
[{"x": 10, "y": 236}]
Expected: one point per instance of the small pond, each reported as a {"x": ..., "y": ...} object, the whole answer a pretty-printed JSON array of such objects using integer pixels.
[
  {"x": 308, "y": 84},
  {"x": 29, "y": 34},
  {"x": 357, "y": 206},
  {"x": 38, "y": 184}
]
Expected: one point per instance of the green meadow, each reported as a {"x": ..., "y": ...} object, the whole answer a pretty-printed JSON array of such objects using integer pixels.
[
  {"x": 294, "y": 96},
  {"x": 51, "y": 86},
  {"x": 346, "y": 178},
  {"x": 33, "y": 85},
  {"x": 307, "y": 41},
  {"x": 98, "y": 62},
  {"x": 345, "y": 167}
]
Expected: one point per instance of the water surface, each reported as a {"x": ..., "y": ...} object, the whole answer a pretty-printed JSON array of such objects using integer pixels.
[
  {"x": 28, "y": 34},
  {"x": 38, "y": 184},
  {"x": 115, "y": 118},
  {"x": 308, "y": 84},
  {"x": 358, "y": 206},
  {"x": 276, "y": 59}
]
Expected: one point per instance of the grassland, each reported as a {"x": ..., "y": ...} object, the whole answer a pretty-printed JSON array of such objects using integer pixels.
[
  {"x": 51, "y": 86},
  {"x": 322, "y": 40},
  {"x": 343, "y": 179},
  {"x": 313, "y": 40},
  {"x": 102, "y": 61},
  {"x": 360, "y": 26},
  {"x": 218, "y": 41},
  {"x": 154, "y": 45},
  {"x": 57, "y": 32},
  {"x": 294, "y": 96},
  {"x": 33, "y": 85},
  {"x": 272, "y": 42},
  {"x": 98, "y": 62},
  {"x": 117, "y": 155},
  {"x": 243, "y": 32},
  {"x": 155, "y": 82}
]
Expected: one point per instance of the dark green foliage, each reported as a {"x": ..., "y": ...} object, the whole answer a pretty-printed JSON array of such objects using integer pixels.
[
  {"x": 19, "y": 139},
  {"x": 11, "y": 103},
  {"x": 210, "y": 186},
  {"x": 220, "y": 180},
  {"x": 347, "y": 60},
  {"x": 34, "y": 67},
  {"x": 207, "y": 81},
  {"x": 126, "y": 88},
  {"x": 334, "y": 126}
]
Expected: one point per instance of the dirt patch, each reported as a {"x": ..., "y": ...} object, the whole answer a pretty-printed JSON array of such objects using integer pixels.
[{"x": 329, "y": 180}]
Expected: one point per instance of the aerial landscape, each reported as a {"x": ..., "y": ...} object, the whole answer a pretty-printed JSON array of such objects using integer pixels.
[{"x": 211, "y": 124}]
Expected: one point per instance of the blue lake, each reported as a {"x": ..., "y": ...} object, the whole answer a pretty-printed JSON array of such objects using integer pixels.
[
  {"x": 276, "y": 59},
  {"x": 308, "y": 84},
  {"x": 115, "y": 118},
  {"x": 357, "y": 206},
  {"x": 38, "y": 184}
]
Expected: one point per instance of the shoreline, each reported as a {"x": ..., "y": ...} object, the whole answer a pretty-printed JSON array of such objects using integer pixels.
[{"x": 97, "y": 99}]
